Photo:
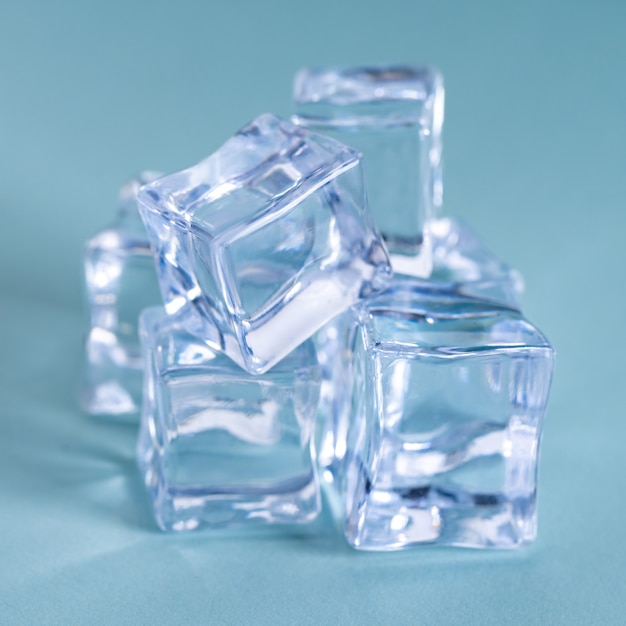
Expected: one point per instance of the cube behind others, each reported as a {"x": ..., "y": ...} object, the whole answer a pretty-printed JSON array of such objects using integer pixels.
[{"x": 394, "y": 116}]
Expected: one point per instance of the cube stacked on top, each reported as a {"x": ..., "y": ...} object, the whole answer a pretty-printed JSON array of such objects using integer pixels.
[{"x": 266, "y": 240}]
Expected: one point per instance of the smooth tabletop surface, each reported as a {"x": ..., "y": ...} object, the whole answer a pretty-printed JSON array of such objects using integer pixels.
[{"x": 534, "y": 157}]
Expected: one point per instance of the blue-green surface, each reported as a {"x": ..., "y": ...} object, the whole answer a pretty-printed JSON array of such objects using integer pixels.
[{"x": 90, "y": 93}]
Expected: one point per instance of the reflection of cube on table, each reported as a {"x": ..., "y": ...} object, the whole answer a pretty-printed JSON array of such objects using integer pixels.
[
  {"x": 444, "y": 445},
  {"x": 394, "y": 117},
  {"x": 219, "y": 446},
  {"x": 266, "y": 240}
]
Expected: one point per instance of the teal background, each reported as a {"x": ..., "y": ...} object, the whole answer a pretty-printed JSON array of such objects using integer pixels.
[{"x": 91, "y": 93}]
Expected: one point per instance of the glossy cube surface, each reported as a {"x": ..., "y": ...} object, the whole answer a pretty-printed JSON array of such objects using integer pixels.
[
  {"x": 265, "y": 241},
  {"x": 447, "y": 406},
  {"x": 221, "y": 447},
  {"x": 394, "y": 117}
]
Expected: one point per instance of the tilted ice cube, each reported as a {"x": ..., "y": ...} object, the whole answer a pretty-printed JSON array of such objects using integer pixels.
[
  {"x": 463, "y": 265},
  {"x": 448, "y": 402},
  {"x": 219, "y": 446},
  {"x": 120, "y": 282},
  {"x": 267, "y": 240},
  {"x": 394, "y": 116}
]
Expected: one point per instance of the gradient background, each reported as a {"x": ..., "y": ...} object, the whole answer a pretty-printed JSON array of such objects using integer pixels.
[{"x": 534, "y": 159}]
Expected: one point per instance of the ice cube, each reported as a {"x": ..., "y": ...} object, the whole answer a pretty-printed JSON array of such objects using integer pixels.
[
  {"x": 218, "y": 446},
  {"x": 266, "y": 240},
  {"x": 120, "y": 281},
  {"x": 448, "y": 400},
  {"x": 394, "y": 117},
  {"x": 463, "y": 263}
]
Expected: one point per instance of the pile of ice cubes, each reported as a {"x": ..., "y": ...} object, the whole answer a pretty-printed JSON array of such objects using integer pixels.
[{"x": 320, "y": 323}]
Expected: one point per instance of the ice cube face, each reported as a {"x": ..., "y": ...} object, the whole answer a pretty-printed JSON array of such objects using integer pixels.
[
  {"x": 463, "y": 265},
  {"x": 266, "y": 240},
  {"x": 221, "y": 447},
  {"x": 394, "y": 117},
  {"x": 448, "y": 401},
  {"x": 120, "y": 282}
]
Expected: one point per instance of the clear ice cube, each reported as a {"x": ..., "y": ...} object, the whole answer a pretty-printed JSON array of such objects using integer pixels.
[
  {"x": 120, "y": 281},
  {"x": 267, "y": 240},
  {"x": 448, "y": 401},
  {"x": 219, "y": 446},
  {"x": 463, "y": 265},
  {"x": 394, "y": 117}
]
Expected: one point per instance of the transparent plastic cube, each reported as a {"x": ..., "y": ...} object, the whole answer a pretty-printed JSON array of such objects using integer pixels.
[
  {"x": 448, "y": 402},
  {"x": 120, "y": 281},
  {"x": 394, "y": 117},
  {"x": 463, "y": 265},
  {"x": 265, "y": 241},
  {"x": 221, "y": 447}
]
